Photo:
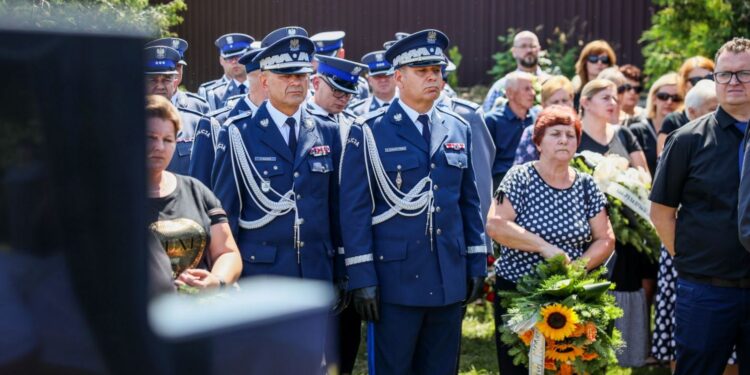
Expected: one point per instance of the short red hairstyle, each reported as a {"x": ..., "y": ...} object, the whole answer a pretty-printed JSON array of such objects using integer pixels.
[{"x": 556, "y": 115}]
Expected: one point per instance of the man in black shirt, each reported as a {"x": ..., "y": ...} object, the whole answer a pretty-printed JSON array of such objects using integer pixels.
[{"x": 699, "y": 172}]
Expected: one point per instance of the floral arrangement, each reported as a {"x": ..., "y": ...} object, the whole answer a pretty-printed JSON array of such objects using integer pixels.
[
  {"x": 561, "y": 319},
  {"x": 627, "y": 191}
]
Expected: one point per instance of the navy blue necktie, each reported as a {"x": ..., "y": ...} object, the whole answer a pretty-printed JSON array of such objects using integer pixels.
[
  {"x": 243, "y": 89},
  {"x": 425, "y": 121},
  {"x": 292, "y": 135}
]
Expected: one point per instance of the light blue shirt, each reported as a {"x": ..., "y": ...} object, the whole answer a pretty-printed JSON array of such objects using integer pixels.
[
  {"x": 280, "y": 120},
  {"x": 413, "y": 114}
]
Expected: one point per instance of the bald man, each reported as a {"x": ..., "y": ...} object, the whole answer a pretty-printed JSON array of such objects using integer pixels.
[{"x": 526, "y": 52}]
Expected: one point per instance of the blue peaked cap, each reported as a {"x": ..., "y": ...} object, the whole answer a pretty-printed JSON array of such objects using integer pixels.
[
  {"x": 289, "y": 55},
  {"x": 160, "y": 60},
  {"x": 328, "y": 42},
  {"x": 341, "y": 74},
  {"x": 181, "y": 45},
  {"x": 377, "y": 63},
  {"x": 247, "y": 60},
  {"x": 422, "y": 48},
  {"x": 278, "y": 34},
  {"x": 234, "y": 44}
]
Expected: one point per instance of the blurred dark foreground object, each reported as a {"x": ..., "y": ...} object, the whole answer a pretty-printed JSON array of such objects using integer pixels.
[{"x": 74, "y": 271}]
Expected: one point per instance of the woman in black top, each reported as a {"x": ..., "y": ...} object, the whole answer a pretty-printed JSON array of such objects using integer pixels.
[
  {"x": 598, "y": 103},
  {"x": 184, "y": 214},
  {"x": 663, "y": 99}
]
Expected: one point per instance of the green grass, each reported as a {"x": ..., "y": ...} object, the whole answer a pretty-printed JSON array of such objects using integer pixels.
[{"x": 478, "y": 348}]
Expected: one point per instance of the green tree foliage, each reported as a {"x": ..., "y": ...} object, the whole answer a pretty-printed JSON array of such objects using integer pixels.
[
  {"x": 685, "y": 28},
  {"x": 455, "y": 57},
  {"x": 95, "y": 15}
]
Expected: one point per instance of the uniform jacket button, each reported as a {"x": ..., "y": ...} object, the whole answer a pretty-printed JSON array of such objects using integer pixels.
[{"x": 439, "y": 231}]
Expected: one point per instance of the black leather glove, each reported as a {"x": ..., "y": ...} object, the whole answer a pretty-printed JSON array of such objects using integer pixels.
[
  {"x": 343, "y": 297},
  {"x": 474, "y": 288},
  {"x": 366, "y": 303}
]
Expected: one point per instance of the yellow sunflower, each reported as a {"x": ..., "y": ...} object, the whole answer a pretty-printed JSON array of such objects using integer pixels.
[
  {"x": 563, "y": 352},
  {"x": 558, "y": 322}
]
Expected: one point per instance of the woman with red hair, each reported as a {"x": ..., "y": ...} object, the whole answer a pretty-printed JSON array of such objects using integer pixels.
[{"x": 545, "y": 208}]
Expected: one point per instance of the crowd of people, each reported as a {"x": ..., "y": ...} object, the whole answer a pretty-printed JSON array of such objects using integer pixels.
[{"x": 393, "y": 189}]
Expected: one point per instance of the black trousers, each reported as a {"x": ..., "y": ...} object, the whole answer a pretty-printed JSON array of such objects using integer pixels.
[
  {"x": 504, "y": 361},
  {"x": 349, "y": 333}
]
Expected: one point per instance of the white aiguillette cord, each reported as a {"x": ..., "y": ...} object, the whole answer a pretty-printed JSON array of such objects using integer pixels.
[
  {"x": 413, "y": 203},
  {"x": 273, "y": 209}
]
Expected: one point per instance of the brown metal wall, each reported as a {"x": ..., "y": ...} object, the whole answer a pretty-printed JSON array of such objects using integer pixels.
[{"x": 473, "y": 25}]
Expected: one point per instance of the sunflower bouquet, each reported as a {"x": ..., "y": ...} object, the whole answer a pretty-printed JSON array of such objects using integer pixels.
[
  {"x": 627, "y": 192},
  {"x": 561, "y": 320}
]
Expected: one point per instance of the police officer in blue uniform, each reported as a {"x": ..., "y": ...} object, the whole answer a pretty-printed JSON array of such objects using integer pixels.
[
  {"x": 335, "y": 83},
  {"x": 161, "y": 75},
  {"x": 211, "y": 138},
  {"x": 331, "y": 43},
  {"x": 237, "y": 105},
  {"x": 381, "y": 82},
  {"x": 231, "y": 47},
  {"x": 411, "y": 224},
  {"x": 280, "y": 184},
  {"x": 182, "y": 99}
]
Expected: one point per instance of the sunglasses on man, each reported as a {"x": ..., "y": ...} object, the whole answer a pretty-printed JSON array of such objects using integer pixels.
[
  {"x": 663, "y": 96},
  {"x": 694, "y": 80},
  {"x": 604, "y": 59},
  {"x": 628, "y": 87}
]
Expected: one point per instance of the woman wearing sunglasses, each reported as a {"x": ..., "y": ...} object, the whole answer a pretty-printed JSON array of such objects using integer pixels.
[
  {"x": 692, "y": 70},
  {"x": 631, "y": 90},
  {"x": 595, "y": 57},
  {"x": 663, "y": 99}
]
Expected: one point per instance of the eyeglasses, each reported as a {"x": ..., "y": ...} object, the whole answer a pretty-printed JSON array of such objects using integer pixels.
[
  {"x": 232, "y": 58},
  {"x": 694, "y": 81},
  {"x": 628, "y": 87},
  {"x": 604, "y": 59},
  {"x": 338, "y": 94},
  {"x": 743, "y": 76},
  {"x": 664, "y": 97}
]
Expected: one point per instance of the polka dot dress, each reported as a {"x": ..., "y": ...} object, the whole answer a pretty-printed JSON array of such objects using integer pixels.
[
  {"x": 663, "y": 345},
  {"x": 559, "y": 216}
]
